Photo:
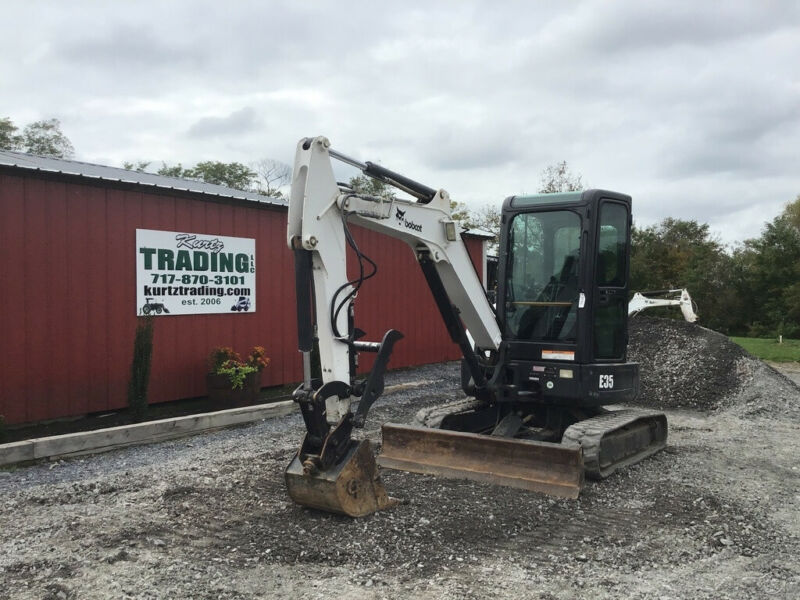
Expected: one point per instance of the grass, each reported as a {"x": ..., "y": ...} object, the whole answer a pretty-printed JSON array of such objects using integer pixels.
[{"x": 770, "y": 349}]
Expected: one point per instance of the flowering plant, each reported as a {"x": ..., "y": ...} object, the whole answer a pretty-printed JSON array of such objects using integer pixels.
[{"x": 223, "y": 360}]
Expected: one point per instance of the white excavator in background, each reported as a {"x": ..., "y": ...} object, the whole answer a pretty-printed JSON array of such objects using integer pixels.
[
  {"x": 658, "y": 298},
  {"x": 538, "y": 367}
]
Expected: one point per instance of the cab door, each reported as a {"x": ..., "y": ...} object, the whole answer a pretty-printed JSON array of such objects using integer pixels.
[{"x": 612, "y": 241}]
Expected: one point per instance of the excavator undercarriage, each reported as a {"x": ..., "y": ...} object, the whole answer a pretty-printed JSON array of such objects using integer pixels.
[{"x": 538, "y": 368}]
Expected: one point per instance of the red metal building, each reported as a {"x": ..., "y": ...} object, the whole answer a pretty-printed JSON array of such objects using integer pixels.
[{"x": 67, "y": 242}]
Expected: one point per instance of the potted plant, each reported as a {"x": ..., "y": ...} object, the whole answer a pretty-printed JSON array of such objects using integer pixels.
[{"x": 232, "y": 381}]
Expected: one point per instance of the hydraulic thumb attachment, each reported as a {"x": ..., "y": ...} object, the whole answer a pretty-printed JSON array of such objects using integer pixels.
[{"x": 331, "y": 471}]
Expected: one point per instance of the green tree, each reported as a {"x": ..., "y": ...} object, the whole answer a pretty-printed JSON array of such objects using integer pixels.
[
  {"x": 486, "y": 218},
  {"x": 460, "y": 212},
  {"x": 683, "y": 254},
  {"x": 792, "y": 212},
  {"x": 139, "y": 166},
  {"x": 267, "y": 178},
  {"x": 368, "y": 186},
  {"x": 559, "y": 178},
  {"x": 233, "y": 175},
  {"x": 661, "y": 253},
  {"x": 771, "y": 263},
  {"x": 173, "y": 170},
  {"x": 45, "y": 138},
  {"x": 140, "y": 368},
  {"x": 272, "y": 176},
  {"x": 9, "y": 140}
]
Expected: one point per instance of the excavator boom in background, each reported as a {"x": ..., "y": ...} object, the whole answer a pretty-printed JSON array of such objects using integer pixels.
[
  {"x": 536, "y": 371},
  {"x": 660, "y": 298}
]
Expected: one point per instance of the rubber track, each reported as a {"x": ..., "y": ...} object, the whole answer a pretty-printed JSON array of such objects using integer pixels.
[
  {"x": 589, "y": 433},
  {"x": 432, "y": 416}
]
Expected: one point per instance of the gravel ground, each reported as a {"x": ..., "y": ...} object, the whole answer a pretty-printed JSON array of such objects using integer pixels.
[
  {"x": 790, "y": 369},
  {"x": 713, "y": 516}
]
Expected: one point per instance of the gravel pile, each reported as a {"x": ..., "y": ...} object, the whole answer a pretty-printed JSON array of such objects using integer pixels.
[
  {"x": 764, "y": 392},
  {"x": 683, "y": 365}
]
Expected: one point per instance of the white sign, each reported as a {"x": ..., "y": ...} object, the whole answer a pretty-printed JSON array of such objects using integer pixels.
[{"x": 180, "y": 273}]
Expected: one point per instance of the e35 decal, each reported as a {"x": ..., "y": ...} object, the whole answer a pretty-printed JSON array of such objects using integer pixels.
[{"x": 606, "y": 382}]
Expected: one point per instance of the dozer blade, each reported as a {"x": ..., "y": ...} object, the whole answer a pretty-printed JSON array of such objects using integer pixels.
[
  {"x": 538, "y": 466},
  {"x": 351, "y": 488}
]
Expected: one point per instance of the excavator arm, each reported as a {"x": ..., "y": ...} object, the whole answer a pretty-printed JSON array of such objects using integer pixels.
[
  {"x": 659, "y": 298},
  {"x": 321, "y": 213},
  {"x": 320, "y": 216}
]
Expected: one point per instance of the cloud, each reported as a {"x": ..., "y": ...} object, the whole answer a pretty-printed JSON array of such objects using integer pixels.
[
  {"x": 664, "y": 24},
  {"x": 241, "y": 121},
  {"x": 126, "y": 46},
  {"x": 690, "y": 107}
]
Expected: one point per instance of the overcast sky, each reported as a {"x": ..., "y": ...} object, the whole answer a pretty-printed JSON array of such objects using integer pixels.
[{"x": 693, "y": 108}]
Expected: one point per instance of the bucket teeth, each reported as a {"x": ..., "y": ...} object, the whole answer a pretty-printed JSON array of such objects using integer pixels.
[{"x": 352, "y": 487}]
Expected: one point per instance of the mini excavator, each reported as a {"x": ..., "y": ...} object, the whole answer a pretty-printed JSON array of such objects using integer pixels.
[{"x": 537, "y": 369}]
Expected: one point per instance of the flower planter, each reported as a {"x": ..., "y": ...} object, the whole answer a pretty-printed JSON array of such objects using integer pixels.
[{"x": 220, "y": 390}]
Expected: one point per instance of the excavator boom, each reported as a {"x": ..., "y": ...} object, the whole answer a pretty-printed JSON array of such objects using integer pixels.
[{"x": 661, "y": 298}]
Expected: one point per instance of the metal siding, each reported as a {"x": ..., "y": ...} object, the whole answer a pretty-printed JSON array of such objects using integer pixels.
[
  {"x": 77, "y": 249},
  {"x": 175, "y": 376},
  {"x": 56, "y": 317},
  {"x": 12, "y": 318},
  {"x": 96, "y": 357},
  {"x": 125, "y": 208},
  {"x": 69, "y": 281},
  {"x": 275, "y": 291},
  {"x": 35, "y": 300},
  {"x": 475, "y": 249},
  {"x": 398, "y": 298}
]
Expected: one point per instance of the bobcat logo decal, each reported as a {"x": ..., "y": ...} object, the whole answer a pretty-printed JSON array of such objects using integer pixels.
[{"x": 401, "y": 220}]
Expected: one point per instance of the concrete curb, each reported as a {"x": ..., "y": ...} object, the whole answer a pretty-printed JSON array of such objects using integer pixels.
[{"x": 103, "y": 440}]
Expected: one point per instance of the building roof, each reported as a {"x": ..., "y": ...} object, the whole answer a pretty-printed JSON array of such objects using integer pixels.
[
  {"x": 101, "y": 172},
  {"x": 479, "y": 233}
]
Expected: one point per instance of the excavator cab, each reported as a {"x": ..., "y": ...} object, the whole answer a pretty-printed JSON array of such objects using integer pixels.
[{"x": 562, "y": 299}]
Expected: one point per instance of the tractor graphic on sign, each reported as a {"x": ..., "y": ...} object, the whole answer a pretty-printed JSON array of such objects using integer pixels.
[
  {"x": 242, "y": 304},
  {"x": 153, "y": 307}
]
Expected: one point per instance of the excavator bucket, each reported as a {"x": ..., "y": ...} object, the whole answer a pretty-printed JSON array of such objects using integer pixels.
[
  {"x": 538, "y": 466},
  {"x": 352, "y": 487}
]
